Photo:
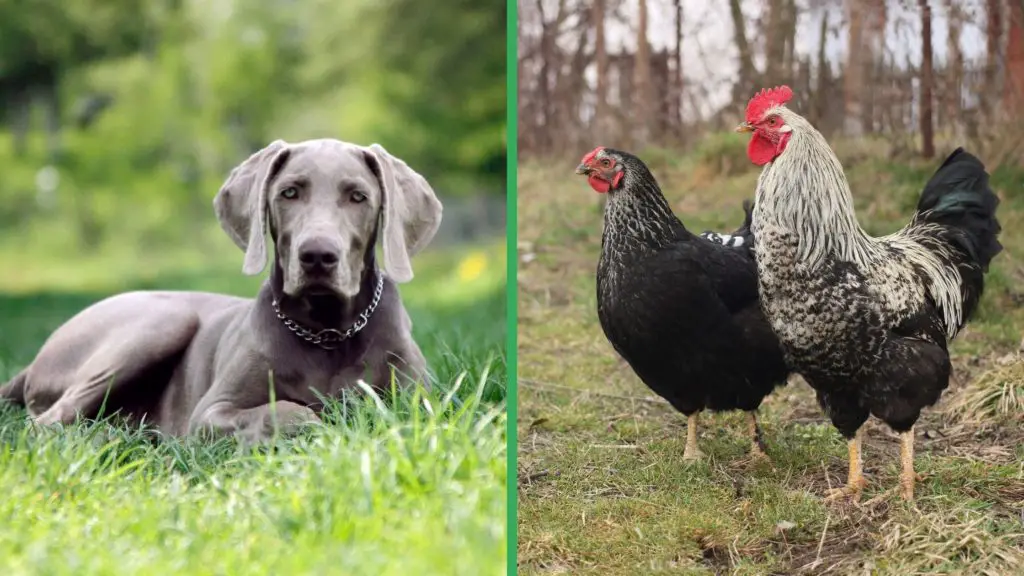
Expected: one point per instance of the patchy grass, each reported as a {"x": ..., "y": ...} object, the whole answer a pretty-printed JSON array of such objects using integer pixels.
[
  {"x": 411, "y": 486},
  {"x": 602, "y": 485},
  {"x": 993, "y": 395}
]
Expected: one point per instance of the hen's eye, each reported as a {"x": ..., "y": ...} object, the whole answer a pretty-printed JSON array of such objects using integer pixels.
[
  {"x": 290, "y": 193},
  {"x": 606, "y": 163},
  {"x": 771, "y": 121},
  {"x": 358, "y": 196}
]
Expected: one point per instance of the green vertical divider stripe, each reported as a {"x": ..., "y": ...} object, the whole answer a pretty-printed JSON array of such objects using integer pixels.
[{"x": 511, "y": 282}]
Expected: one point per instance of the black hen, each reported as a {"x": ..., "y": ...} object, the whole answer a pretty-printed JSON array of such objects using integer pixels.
[{"x": 681, "y": 310}]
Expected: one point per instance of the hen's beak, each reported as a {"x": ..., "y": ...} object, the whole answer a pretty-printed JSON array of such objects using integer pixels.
[
  {"x": 745, "y": 127},
  {"x": 583, "y": 169}
]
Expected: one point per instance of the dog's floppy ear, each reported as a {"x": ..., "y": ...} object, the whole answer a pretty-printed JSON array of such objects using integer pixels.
[
  {"x": 241, "y": 203},
  {"x": 410, "y": 211}
]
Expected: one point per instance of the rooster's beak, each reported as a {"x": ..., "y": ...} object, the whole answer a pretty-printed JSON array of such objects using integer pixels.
[
  {"x": 745, "y": 127},
  {"x": 583, "y": 169}
]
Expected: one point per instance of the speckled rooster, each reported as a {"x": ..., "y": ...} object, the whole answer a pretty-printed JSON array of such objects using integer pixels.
[{"x": 865, "y": 320}]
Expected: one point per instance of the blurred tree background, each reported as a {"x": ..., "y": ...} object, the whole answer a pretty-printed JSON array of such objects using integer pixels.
[
  {"x": 119, "y": 119},
  {"x": 673, "y": 73}
]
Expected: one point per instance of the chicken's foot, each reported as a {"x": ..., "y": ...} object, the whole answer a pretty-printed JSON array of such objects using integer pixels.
[
  {"x": 907, "y": 475},
  {"x": 757, "y": 447},
  {"x": 692, "y": 452},
  {"x": 855, "y": 481}
]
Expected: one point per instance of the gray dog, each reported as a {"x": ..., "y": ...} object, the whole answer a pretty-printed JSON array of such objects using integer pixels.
[{"x": 325, "y": 318}]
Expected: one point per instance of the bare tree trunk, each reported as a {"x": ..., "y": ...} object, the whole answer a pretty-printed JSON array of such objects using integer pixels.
[
  {"x": 744, "y": 88},
  {"x": 789, "y": 37},
  {"x": 550, "y": 65},
  {"x": 993, "y": 56},
  {"x": 779, "y": 32},
  {"x": 601, "y": 55},
  {"x": 1013, "y": 89},
  {"x": 872, "y": 41},
  {"x": 547, "y": 46},
  {"x": 854, "y": 72},
  {"x": 954, "y": 68},
  {"x": 570, "y": 89},
  {"x": 678, "y": 101},
  {"x": 927, "y": 79},
  {"x": 775, "y": 50},
  {"x": 662, "y": 88},
  {"x": 820, "y": 97},
  {"x": 642, "y": 79}
]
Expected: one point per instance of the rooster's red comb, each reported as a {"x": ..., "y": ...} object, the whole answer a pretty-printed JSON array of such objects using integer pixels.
[
  {"x": 590, "y": 155},
  {"x": 765, "y": 99}
]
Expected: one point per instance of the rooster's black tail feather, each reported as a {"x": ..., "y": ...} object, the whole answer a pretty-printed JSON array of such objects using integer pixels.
[{"x": 959, "y": 199}]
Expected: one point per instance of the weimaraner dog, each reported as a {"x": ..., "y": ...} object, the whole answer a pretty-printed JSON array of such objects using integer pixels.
[{"x": 326, "y": 317}]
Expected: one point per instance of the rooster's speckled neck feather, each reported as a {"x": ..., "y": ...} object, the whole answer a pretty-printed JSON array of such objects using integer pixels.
[{"x": 805, "y": 191}]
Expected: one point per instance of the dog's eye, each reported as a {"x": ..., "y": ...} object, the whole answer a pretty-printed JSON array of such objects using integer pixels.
[
  {"x": 290, "y": 193},
  {"x": 358, "y": 196}
]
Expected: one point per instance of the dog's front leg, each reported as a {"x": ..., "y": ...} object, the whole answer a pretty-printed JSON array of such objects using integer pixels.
[{"x": 253, "y": 424}]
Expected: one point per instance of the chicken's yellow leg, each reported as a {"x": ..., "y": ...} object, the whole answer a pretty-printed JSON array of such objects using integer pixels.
[
  {"x": 907, "y": 476},
  {"x": 754, "y": 432},
  {"x": 692, "y": 452},
  {"x": 855, "y": 476}
]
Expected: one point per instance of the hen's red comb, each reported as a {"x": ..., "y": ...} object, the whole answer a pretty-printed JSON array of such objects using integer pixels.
[
  {"x": 590, "y": 155},
  {"x": 765, "y": 99}
]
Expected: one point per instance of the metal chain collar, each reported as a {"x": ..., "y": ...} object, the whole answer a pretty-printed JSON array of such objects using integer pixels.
[{"x": 330, "y": 338}]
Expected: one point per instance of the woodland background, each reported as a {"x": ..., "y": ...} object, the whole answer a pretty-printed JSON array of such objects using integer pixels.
[
  {"x": 666, "y": 72},
  {"x": 119, "y": 119}
]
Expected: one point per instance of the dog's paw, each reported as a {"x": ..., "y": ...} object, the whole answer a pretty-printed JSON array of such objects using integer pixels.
[{"x": 284, "y": 419}]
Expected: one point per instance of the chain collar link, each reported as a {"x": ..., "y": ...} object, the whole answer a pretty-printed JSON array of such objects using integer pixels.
[{"x": 330, "y": 338}]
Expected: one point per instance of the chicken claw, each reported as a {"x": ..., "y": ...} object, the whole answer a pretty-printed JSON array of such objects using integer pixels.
[{"x": 850, "y": 492}]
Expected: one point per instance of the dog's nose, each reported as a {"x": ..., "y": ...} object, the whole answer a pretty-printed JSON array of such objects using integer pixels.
[{"x": 318, "y": 255}]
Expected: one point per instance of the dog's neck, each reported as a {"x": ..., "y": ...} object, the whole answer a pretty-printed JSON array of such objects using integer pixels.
[{"x": 321, "y": 311}]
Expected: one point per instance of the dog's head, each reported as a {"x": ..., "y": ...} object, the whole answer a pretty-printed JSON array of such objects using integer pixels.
[{"x": 326, "y": 202}]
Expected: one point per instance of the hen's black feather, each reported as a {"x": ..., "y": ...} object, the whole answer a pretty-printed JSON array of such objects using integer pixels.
[{"x": 682, "y": 311}]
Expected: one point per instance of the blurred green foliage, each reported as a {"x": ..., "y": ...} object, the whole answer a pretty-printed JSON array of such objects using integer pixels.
[{"x": 142, "y": 107}]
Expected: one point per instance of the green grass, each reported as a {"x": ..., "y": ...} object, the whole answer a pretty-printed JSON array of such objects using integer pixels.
[
  {"x": 415, "y": 484},
  {"x": 602, "y": 485}
]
